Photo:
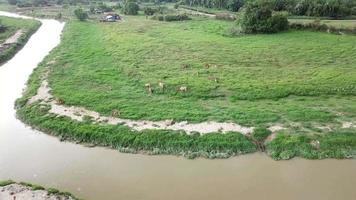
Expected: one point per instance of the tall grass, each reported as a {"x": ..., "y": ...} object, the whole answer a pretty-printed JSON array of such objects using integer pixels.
[{"x": 332, "y": 145}]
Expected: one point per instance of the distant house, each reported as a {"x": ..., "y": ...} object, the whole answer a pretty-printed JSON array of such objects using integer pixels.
[
  {"x": 97, "y": 11},
  {"x": 111, "y": 17}
]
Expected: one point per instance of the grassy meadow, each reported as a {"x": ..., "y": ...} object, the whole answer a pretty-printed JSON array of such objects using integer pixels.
[
  {"x": 333, "y": 23},
  {"x": 304, "y": 81},
  {"x": 292, "y": 76},
  {"x": 12, "y": 26}
]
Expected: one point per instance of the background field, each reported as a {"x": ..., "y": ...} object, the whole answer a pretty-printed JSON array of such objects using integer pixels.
[
  {"x": 292, "y": 77},
  {"x": 332, "y": 23}
]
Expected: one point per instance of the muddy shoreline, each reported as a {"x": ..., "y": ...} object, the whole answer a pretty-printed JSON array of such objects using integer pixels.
[{"x": 10, "y": 190}]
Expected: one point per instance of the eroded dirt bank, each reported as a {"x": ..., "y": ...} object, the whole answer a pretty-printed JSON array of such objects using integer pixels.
[{"x": 17, "y": 191}]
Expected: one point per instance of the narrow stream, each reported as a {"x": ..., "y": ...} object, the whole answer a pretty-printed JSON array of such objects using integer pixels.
[{"x": 104, "y": 174}]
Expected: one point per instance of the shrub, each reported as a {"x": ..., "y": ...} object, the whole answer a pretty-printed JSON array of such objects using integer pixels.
[
  {"x": 260, "y": 134},
  {"x": 168, "y": 18},
  {"x": 279, "y": 22},
  {"x": 353, "y": 10},
  {"x": 235, "y": 5},
  {"x": 154, "y": 10},
  {"x": 257, "y": 18},
  {"x": 23, "y": 4},
  {"x": 12, "y": 2},
  {"x": 81, "y": 14},
  {"x": 59, "y": 15},
  {"x": 105, "y": 8},
  {"x": 149, "y": 11},
  {"x": 2, "y": 28},
  {"x": 131, "y": 8}
]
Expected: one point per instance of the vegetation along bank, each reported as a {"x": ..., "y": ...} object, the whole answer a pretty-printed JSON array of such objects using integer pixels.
[
  {"x": 14, "y": 33},
  {"x": 294, "y": 89},
  {"x": 27, "y": 191}
]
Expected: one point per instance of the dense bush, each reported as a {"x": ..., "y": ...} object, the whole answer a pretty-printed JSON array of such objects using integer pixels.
[
  {"x": 235, "y": 5},
  {"x": 353, "y": 11},
  {"x": 81, "y": 14},
  {"x": 278, "y": 22},
  {"x": 168, "y": 18},
  {"x": 149, "y": 11},
  {"x": 131, "y": 8},
  {"x": 325, "y": 8},
  {"x": 12, "y": 2},
  {"x": 2, "y": 28},
  {"x": 104, "y": 7},
  {"x": 257, "y": 17},
  {"x": 23, "y": 4}
]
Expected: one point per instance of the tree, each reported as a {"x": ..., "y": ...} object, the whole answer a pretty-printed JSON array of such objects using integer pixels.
[
  {"x": 12, "y": 2},
  {"x": 257, "y": 17},
  {"x": 235, "y": 5},
  {"x": 131, "y": 8},
  {"x": 81, "y": 14}
]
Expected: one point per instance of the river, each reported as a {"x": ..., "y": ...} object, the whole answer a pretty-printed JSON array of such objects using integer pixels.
[{"x": 105, "y": 174}]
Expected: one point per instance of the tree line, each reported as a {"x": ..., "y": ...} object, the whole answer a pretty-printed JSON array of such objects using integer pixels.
[{"x": 317, "y": 8}]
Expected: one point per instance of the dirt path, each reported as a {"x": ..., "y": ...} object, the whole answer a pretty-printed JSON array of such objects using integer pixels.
[
  {"x": 20, "y": 192},
  {"x": 14, "y": 38},
  {"x": 78, "y": 113}
]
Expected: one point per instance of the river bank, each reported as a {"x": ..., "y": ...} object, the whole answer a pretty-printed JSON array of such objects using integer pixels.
[
  {"x": 20, "y": 31},
  {"x": 84, "y": 92},
  {"x": 100, "y": 173},
  {"x": 10, "y": 190}
]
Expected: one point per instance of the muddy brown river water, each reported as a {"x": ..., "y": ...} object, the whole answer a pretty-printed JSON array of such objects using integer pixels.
[{"x": 105, "y": 174}]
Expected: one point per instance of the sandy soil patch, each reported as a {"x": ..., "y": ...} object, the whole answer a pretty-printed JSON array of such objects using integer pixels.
[
  {"x": 20, "y": 192},
  {"x": 276, "y": 128},
  {"x": 348, "y": 125}
]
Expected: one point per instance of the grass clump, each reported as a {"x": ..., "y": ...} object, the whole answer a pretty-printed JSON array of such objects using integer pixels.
[
  {"x": 32, "y": 186},
  {"x": 6, "y": 182},
  {"x": 260, "y": 134},
  {"x": 50, "y": 191},
  {"x": 333, "y": 145}
]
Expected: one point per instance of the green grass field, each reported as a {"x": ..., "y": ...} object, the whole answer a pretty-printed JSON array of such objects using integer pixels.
[
  {"x": 259, "y": 79},
  {"x": 305, "y": 81},
  {"x": 12, "y": 26},
  {"x": 332, "y": 23}
]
